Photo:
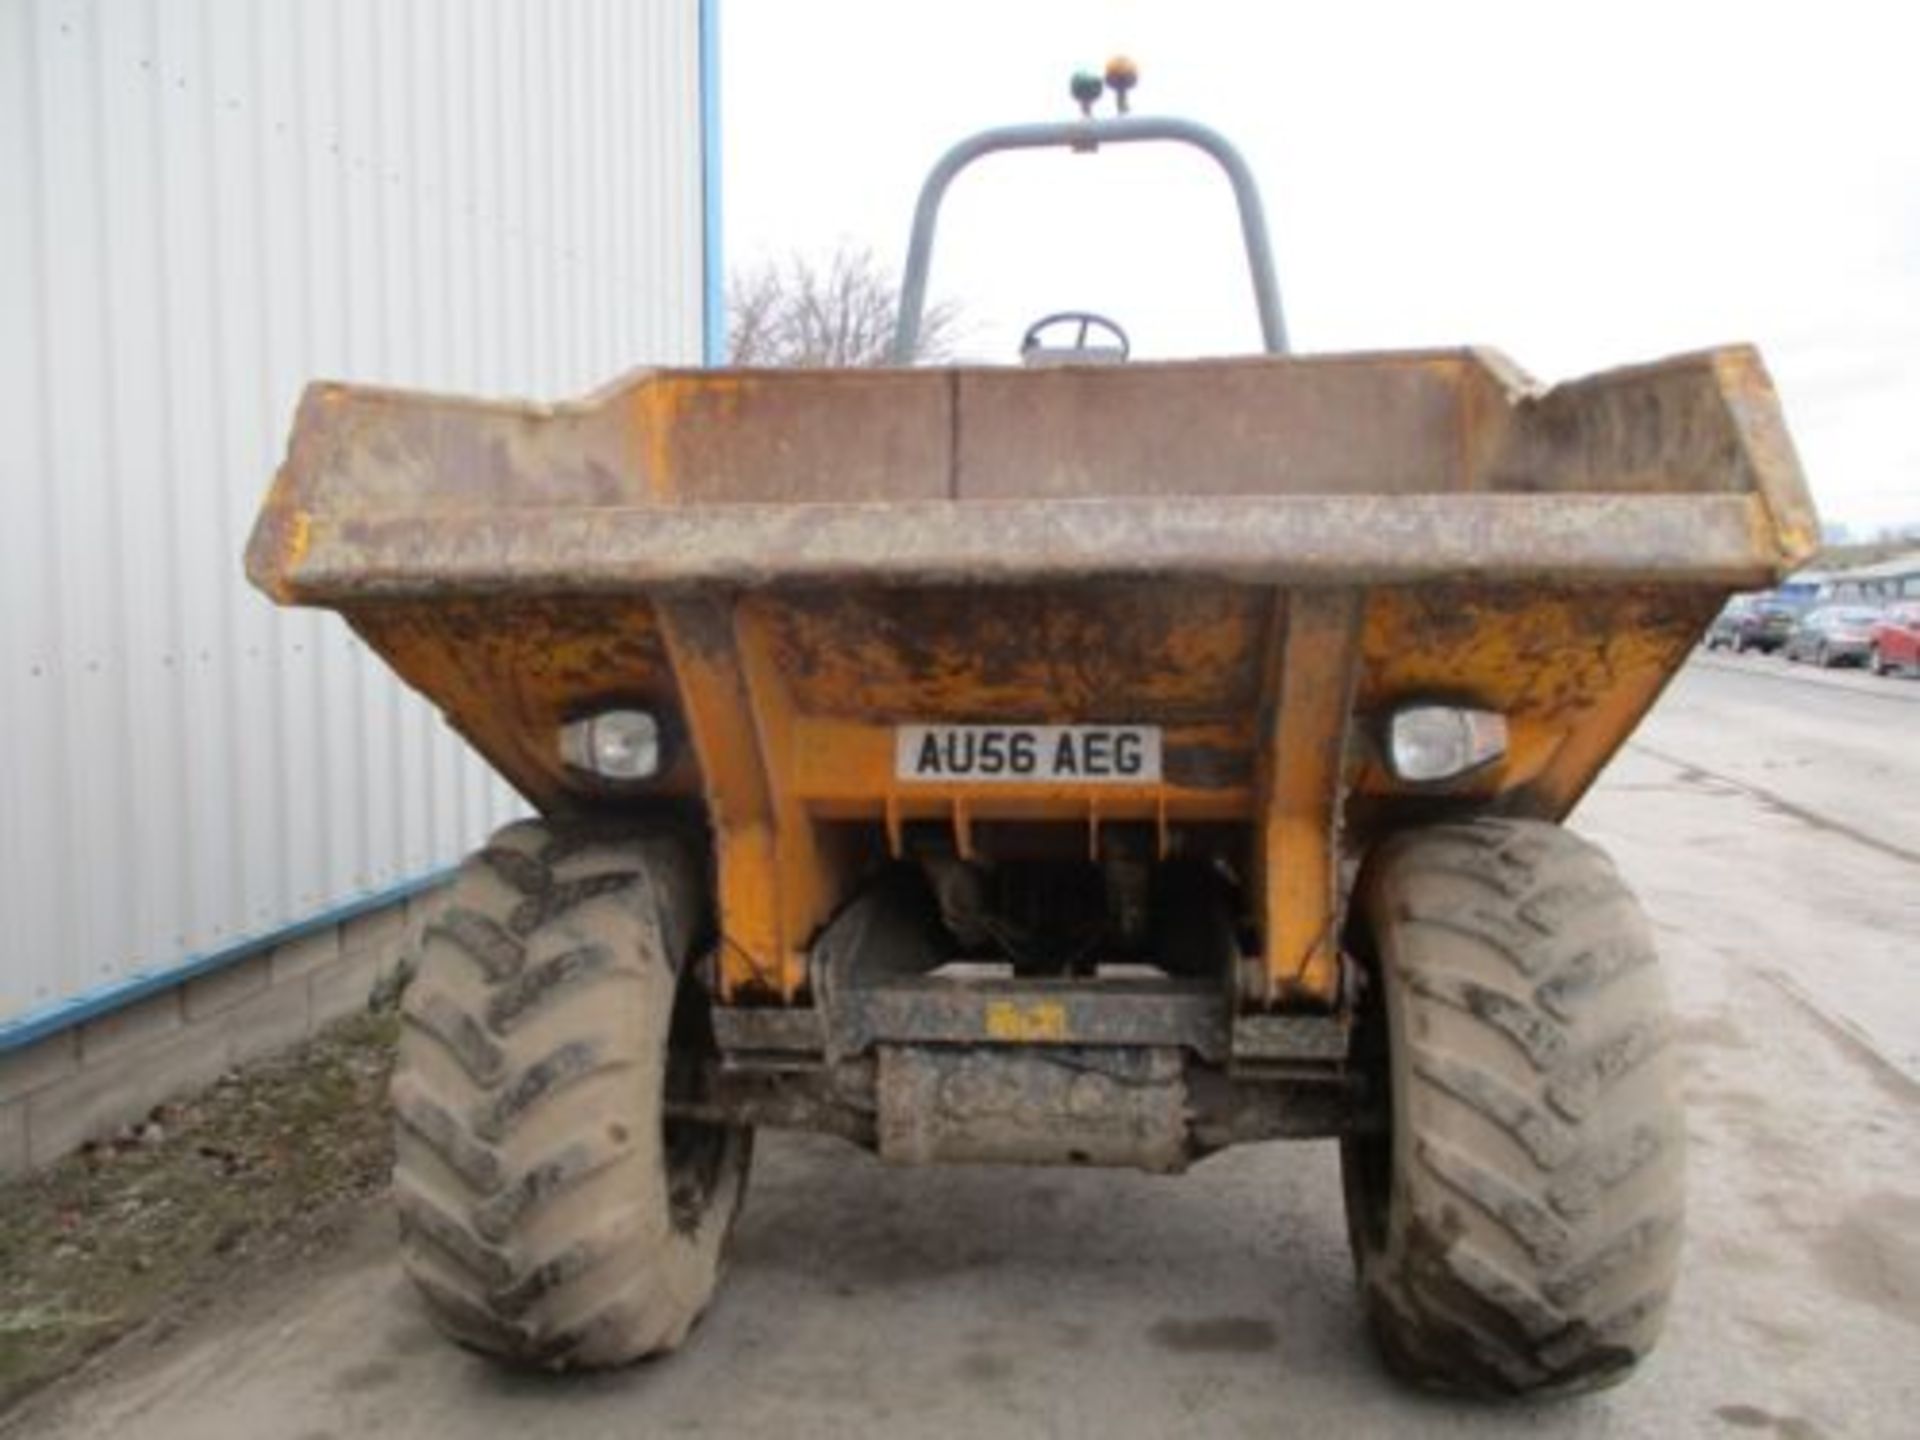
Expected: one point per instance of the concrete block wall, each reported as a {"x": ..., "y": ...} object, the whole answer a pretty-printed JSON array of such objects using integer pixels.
[{"x": 87, "y": 1081}]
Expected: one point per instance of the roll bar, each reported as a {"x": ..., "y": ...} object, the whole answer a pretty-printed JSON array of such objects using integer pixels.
[{"x": 1089, "y": 135}]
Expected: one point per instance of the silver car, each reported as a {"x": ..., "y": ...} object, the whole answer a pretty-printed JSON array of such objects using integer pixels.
[{"x": 1833, "y": 635}]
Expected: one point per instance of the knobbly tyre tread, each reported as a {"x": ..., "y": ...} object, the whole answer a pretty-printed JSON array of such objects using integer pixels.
[
  {"x": 1517, "y": 1230},
  {"x": 547, "y": 1217}
]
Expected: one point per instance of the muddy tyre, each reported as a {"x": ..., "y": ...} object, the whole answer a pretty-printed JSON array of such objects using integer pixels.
[
  {"x": 548, "y": 1215},
  {"x": 1516, "y": 1227}
]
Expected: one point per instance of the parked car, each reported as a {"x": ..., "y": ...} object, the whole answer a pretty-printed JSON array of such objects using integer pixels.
[
  {"x": 1894, "y": 642},
  {"x": 1753, "y": 622},
  {"x": 1833, "y": 635}
]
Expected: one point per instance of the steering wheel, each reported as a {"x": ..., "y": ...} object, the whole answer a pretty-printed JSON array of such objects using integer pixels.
[{"x": 1088, "y": 323}]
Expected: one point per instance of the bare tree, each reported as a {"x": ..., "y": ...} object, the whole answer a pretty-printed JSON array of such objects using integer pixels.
[{"x": 840, "y": 313}]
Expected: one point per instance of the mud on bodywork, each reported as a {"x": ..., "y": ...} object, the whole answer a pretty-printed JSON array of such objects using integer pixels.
[{"x": 1261, "y": 556}]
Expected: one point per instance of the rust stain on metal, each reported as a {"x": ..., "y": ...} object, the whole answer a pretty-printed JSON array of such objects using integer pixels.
[
  {"x": 1262, "y": 557},
  {"x": 1313, "y": 665}
]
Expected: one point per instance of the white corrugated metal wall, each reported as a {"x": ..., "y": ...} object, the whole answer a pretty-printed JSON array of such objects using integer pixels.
[{"x": 204, "y": 204}]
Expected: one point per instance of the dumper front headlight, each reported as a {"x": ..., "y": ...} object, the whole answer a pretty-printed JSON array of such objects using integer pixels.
[
  {"x": 613, "y": 744},
  {"x": 1428, "y": 742}
]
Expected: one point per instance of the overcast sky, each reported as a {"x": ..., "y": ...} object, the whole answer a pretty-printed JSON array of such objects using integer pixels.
[{"x": 1578, "y": 185}]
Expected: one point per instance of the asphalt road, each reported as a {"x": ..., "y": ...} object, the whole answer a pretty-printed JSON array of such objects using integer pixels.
[{"x": 1771, "y": 821}]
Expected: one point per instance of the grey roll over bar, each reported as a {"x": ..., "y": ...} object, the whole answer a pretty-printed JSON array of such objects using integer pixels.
[{"x": 1089, "y": 135}]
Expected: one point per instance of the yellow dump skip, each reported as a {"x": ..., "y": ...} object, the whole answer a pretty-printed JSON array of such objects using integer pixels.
[{"x": 1254, "y": 559}]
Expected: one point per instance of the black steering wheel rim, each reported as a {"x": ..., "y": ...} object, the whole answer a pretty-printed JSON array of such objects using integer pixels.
[{"x": 1087, "y": 319}]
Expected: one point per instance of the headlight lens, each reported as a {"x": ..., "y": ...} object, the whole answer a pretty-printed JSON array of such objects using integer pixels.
[
  {"x": 615, "y": 745},
  {"x": 1426, "y": 743}
]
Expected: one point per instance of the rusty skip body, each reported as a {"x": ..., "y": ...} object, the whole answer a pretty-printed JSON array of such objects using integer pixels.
[{"x": 1258, "y": 558}]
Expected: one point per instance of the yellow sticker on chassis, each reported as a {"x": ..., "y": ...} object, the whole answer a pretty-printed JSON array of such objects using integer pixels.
[{"x": 1028, "y": 754}]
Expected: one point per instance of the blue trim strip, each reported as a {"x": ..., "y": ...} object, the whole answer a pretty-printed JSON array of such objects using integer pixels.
[
  {"x": 713, "y": 266},
  {"x": 35, "y": 1025}
]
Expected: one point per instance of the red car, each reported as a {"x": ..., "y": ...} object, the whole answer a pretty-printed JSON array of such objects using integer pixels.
[{"x": 1894, "y": 643}]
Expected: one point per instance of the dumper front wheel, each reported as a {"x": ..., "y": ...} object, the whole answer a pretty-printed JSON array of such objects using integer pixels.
[
  {"x": 549, "y": 1215},
  {"x": 1516, "y": 1227}
]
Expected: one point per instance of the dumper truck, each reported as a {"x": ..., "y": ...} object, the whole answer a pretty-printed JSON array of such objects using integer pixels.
[{"x": 1087, "y": 762}]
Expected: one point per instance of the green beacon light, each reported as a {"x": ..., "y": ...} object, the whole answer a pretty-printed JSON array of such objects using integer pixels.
[{"x": 1087, "y": 89}]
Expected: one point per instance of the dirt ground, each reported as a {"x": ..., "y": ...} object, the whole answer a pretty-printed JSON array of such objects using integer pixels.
[{"x": 265, "y": 1169}]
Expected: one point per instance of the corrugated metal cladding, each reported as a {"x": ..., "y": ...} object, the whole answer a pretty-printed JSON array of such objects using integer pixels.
[{"x": 202, "y": 206}]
